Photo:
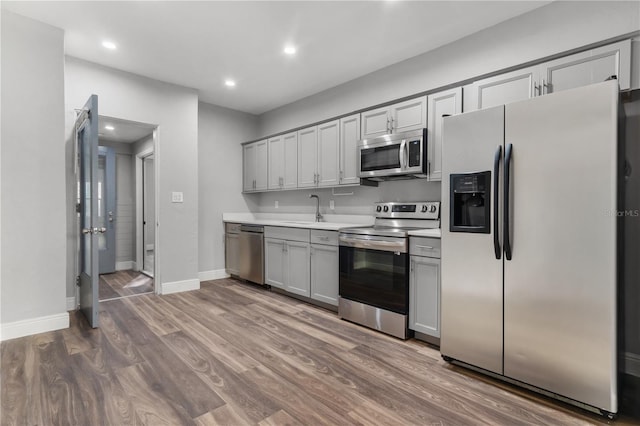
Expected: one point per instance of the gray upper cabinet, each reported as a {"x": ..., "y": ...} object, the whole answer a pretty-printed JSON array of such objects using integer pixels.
[
  {"x": 328, "y": 153},
  {"x": 400, "y": 117},
  {"x": 349, "y": 137},
  {"x": 580, "y": 69},
  {"x": 307, "y": 157},
  {"x": 592, "y": 66},
  {"x": 502, "y": 89},
  {"x": 283, "y": 161},
  {"x": 447, "y": 102},
  {"x": 255, "y": 157}
]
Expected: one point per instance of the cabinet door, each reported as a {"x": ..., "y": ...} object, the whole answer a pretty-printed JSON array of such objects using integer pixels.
[
  {"x": 307, "y": 157},
  {"x": 424, "y": 295},
  {"x": 589, "y": 67},
  {"x": 290, "y": 176},
  {"x": 249, "y": 167},
  {"x": 324, "y": 273},
  {"x": 232, "y": 253},
  {"x": 504, "y": 88},
  {"x": 274, "y": 262},
  {"x": 447, "y": 102},
  {"x": 276, "y": 162},
  {"x": 409, "y": 115},
  {"x": 328, "y": 153},
  {"x": 262, "y": 159},
  {"x": 349, "y": 137},
  {"x": 375, "y": 123},
  {"x": 298, "y": 274}
]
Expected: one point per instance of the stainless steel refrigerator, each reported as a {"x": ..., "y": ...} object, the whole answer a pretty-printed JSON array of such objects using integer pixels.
[{"x": 529, "y": 262}]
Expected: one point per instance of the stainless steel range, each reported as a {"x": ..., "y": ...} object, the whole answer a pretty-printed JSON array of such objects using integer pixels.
[{"x": 374, "y": 266}]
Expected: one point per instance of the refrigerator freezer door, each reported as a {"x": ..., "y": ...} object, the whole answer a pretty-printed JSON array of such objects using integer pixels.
[
  {"x": 471, "y": 275},
  {"x": 560, "y": 286}
]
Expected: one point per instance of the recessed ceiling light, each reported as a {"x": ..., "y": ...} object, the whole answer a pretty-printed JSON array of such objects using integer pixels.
[
  {"x": 229, "y": 83},
  {"x": 109, "y": 45},
  {"x": 109, "y": 127},
  {"x": 290, "y": 50}
]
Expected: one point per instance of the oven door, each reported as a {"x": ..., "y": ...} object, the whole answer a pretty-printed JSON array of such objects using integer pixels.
[
  {"x": 375, "y": 271},
  {"x": 381, "y": 158}
]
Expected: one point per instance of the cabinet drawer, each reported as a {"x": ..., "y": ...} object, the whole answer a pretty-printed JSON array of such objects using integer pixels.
[
  {"x": 329, "y": 238},
  {"x": 283, "y": 233},
  {"x": 423, "y": 246},
  {"x": 231, "y": 228}
]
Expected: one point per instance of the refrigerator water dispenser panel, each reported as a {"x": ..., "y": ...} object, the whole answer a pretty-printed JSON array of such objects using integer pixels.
[{"x": 470, "y": 199}]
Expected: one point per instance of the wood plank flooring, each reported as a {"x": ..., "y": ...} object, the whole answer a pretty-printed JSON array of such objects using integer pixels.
[
  {"x": 122, "y": 284},
  {"x": 236, "y": 354}
]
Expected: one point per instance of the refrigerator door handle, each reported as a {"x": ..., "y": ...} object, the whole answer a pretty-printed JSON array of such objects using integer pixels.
[
  {"x": 507, "y": 191},
  {"x": 496, "y": 201}
]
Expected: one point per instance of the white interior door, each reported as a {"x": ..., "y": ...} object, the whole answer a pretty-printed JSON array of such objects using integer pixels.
[
  {"x": 87, "y": 140},
  {"x": 148, "y": 214}
]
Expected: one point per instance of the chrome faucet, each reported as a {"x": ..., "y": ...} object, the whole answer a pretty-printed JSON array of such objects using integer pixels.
[{"x": 318, "y": 215}]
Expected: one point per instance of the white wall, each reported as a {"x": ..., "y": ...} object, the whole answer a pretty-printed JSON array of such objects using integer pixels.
[
  {"x": 549, "y": 30},
  {"x": 33, "y": 180},
  {"x": 175, "y": 110},
  {"x": 220, "y": 132}
]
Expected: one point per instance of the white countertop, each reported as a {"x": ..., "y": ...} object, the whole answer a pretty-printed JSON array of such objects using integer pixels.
[
  {"x": 433, "y": 233},
  {"x": 292, "y": 220},
  {"x": 331, "y": 223}
]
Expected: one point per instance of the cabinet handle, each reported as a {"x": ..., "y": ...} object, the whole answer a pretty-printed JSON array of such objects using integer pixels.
[
  {"x": 388, "y": 131},
  {"x": 323, "y": 238},
  {"x": 543, "y": 87},
  {"x": 412, "y": 263},
  {"x": 536, "y": 89},
  {"x": 424, "y": 247},
  {"x": 391, "y": 129}
]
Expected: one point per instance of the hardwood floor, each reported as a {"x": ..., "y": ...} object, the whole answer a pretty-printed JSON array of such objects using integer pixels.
[
  {"x": 236, "y": 354},
  {"x": 123, "y": 283}
]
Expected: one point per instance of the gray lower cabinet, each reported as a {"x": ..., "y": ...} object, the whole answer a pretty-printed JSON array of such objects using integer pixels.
[
  {"x": 302, "y": 262},
  {"x": 424, "y": 286},
  {"x": 232, "y": 248},
  {"x": 286, "y": 252},
  {"x": 324, "y": 273}
]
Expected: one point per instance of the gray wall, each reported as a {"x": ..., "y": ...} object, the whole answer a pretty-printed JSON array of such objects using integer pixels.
[
  {"x": 175, "y": 110},
  {"x": 33, "y": 164},
  {"x": 220, "y": 132},
  {"x": 551, "y": 29}
]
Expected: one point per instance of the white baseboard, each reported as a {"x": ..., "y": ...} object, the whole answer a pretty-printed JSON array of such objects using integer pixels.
[
  {"x": 71, "y": 304},
  {"x": 31, "y": 326},
  {"x": 632, "y": 364},
  {"x": 124, "y": 266},
  {"x": 179, "y": 286},
  {"x": 214, "y": 274}
]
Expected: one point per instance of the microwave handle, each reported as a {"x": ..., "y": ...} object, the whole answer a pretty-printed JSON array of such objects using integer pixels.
[{"x": 401, "y": 154}]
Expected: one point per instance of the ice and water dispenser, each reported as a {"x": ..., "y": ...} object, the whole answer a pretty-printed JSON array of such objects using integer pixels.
[{"x": 470, "y": 200}]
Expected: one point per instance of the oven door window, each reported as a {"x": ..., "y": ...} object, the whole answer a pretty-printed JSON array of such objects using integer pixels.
[
  {"x": 376, "y": 278},
  {"x": 380, "y": 158}
]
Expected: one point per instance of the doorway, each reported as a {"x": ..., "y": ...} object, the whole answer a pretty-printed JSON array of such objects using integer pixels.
[{"x": 122, "y": 273}]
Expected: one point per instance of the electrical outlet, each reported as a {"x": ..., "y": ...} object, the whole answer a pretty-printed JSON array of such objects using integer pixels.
[
  {"x": 332, "y": 205},
  {"x": 277, "y": 204},
  {"x": 176, "y": 197}
]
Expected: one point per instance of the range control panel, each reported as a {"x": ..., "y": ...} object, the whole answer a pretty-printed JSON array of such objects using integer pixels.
[{"x": 413, "y": 210}]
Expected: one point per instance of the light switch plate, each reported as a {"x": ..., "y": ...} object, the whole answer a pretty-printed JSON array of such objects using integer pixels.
[
  {"x": 332, "y": 204},
  {"x": 176, "y": 197}
]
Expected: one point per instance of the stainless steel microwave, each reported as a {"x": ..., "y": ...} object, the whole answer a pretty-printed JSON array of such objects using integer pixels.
[{"x": 398, "y": 155}]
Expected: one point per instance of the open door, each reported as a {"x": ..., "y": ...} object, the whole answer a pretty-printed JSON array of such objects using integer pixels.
[{"x": 87, "y": 140}]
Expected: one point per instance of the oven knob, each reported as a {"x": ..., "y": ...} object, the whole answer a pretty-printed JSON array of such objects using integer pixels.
[
  {"x": 424, "y": 208},
  {"x": 386, "y": 209},
  {"x": 432, "y": 209},
  {"x": 379, "y": 209}
]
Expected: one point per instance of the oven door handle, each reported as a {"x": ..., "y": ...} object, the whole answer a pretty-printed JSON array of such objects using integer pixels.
[{"x": 373, "y": 244}]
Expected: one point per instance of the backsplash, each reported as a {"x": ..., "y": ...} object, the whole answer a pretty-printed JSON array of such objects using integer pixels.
[{"x": 360, "y": 200}]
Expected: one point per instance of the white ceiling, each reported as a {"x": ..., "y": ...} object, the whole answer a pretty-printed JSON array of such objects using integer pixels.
[
  {"x": 124, "y": 131},
  {"x": 199, "y": 44}
]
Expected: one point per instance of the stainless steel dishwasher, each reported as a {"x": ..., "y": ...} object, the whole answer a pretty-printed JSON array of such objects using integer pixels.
[{"x": 252, "y": 253}]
